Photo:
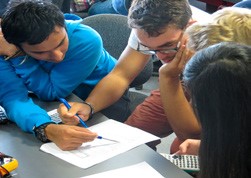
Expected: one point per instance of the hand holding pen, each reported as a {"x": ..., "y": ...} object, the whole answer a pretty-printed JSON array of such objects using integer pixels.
[
  {"x": 68, "y": 116},
  {"x": 68, "y": 106},
  {"x": 82, "y": 122}
]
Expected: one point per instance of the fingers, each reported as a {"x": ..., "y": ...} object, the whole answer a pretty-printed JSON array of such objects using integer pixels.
[
  {"x": 69, "y": 116},
  {"x": 70, "y": 147},
  {"x": 63, "y": 111},
  {"x": 81, "y": 109},
  {"x": 184, "y": 55},
  {"x": 66, "y": 116},
  {"x": 178, "y": 57},
  {"x": 189, "y": 146},
  {"x": 80, "y": 135},
  {"x": 69, "y": 137},
  {"x": 174, "y": 68},
  {"x": 183, "y": 147}
]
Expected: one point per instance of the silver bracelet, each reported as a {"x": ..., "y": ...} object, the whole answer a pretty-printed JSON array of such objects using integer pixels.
[{"x": 91, "y": 107}]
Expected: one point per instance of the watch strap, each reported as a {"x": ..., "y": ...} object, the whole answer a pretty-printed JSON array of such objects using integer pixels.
[{"x": 40, "y": 132}]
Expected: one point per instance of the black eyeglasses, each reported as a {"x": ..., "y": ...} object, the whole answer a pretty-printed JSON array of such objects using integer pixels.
[
  {"x": 171, "y": 51},
  {"x": 163, "y": 51}
]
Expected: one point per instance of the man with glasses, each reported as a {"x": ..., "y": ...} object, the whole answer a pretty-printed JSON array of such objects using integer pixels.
[
  {"x": 157, "y": 29},
  {"x": 170, "y": 52}
]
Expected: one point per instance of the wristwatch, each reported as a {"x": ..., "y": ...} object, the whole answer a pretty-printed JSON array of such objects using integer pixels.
[{"x": 40, "y": 132}]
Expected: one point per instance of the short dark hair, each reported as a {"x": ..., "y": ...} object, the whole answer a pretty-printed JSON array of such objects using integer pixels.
[
  {"x": 218, "y": 78},
  {"x": 31, "y": 22},
  {"x": 153, "y": 16}
]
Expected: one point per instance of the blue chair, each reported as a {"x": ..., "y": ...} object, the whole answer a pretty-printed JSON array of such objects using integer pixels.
[{"x": 115, "y": 33}]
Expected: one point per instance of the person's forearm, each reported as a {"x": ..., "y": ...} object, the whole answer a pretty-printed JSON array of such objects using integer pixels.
[
  {"x": 178, "y": 110},
  {"x": 112, "y": 87},
  {"x": 107, "y": 92},
  {"x": 26, "y": 114}
]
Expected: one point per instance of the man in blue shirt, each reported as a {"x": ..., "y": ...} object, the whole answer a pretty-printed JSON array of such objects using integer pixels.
[{"x": 55, "y": 58}]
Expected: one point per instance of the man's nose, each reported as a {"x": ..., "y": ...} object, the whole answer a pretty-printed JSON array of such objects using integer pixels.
[
  {"x": 160, "y": 55},
  {"x": 57, "y": 55}
]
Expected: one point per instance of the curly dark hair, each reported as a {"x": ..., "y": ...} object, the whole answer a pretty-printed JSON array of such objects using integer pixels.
[{"x": 153, "y": 16}]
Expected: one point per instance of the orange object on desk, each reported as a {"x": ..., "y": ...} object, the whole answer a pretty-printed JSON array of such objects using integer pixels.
[{"x": 7, "y": 164}]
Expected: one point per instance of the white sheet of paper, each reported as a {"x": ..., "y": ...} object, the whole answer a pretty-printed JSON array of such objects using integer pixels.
[
  {"x": 138, "y": 170},
  {"x": 100, "y": 150}
]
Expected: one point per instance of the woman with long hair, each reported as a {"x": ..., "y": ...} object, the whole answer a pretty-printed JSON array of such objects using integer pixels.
[{"x": 218, "y": 79}]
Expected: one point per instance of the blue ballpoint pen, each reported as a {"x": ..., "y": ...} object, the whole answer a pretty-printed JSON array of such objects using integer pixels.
[{"x": 68, "y": 106}]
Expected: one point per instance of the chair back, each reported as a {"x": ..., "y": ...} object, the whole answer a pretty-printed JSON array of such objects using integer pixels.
[
  {"x": 115, "y": 33},
  {"x": 113, "y": 29}
]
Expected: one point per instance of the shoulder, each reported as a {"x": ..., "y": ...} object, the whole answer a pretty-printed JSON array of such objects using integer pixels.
[
  {"x": 78, "y": 29},
  {"x": 80, "y": 34},
  {"x": 83, "y": 37}
]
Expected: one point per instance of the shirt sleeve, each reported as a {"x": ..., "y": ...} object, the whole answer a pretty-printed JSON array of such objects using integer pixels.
[
  {"x": 133, "y": 41},
  {"x": 16, "y": 102},
  {"x": 50, "y": 81}
]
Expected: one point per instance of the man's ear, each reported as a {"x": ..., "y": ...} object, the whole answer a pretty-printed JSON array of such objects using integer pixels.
[{"x": 191, "y": 21}]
